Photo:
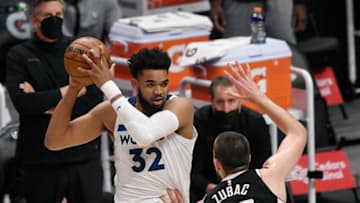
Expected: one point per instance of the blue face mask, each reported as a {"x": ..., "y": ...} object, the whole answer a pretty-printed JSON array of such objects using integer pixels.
[{"x": 51, "y": 27}]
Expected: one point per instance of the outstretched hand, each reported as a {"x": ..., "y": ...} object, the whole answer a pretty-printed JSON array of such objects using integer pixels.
[
  {"x": 100, "y": 70},
  {"x": 245, "y": 86}
]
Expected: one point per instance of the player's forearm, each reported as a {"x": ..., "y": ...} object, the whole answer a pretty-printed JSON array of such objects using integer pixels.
[
  {"x": 292, "y": 146},
  {"x": 294, "y": 131},
  {"x": 287, "y": 123},
  {"x": 60, "y": 120},
  {"x": 145, "y": 130}
]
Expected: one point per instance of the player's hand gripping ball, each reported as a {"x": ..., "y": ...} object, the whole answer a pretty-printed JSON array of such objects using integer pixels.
[{"x": 73, "y": 57}]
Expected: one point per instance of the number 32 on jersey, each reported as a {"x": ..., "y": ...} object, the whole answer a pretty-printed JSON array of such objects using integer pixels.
[{"x": 141, "y": 164}]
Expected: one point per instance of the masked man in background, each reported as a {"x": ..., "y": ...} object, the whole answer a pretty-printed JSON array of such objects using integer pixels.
[{"x": 225, "y": 113}]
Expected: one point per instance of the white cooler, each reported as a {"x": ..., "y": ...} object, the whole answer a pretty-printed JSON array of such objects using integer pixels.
[{"x": 269, "y": 62}]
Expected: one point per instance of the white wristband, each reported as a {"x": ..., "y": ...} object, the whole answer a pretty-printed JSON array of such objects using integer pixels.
[{"x": 110, "y": 89}]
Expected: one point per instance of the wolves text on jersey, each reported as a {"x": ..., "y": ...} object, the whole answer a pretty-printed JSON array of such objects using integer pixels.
[{"x": 124, "y": 135}]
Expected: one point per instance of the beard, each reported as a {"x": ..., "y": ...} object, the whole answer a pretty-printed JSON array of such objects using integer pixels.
[{"x": 149, "y": 109}]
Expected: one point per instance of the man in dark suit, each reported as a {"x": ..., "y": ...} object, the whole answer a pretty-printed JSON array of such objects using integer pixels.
[{"x": 36, "y": 81}]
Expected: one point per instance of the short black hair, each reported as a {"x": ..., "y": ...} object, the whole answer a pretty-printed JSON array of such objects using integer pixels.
[
  {"x": 147, "y": 58},
  {"x": 219, "y": 81},
  {"x": 232, "y": 149}
]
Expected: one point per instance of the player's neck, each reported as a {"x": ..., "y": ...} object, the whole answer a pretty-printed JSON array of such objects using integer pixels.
[
  {"x": 237, "y": 170},
  {"x": 234, "y": 173}
]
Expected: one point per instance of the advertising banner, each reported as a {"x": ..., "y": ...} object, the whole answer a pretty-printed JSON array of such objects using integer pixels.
[{"x": 336, "y": 170}]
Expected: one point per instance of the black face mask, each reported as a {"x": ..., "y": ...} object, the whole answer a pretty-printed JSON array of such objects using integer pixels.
[
  {"x": 51, "y": 27},
  {"x": 225, "y": 121}
]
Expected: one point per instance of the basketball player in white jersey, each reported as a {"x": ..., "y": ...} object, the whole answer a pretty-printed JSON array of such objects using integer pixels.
[{"x": 153, "y": 132}]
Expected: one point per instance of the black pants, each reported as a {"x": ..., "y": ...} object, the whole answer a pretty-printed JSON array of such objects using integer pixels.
[{"x": 77, "y": 182}]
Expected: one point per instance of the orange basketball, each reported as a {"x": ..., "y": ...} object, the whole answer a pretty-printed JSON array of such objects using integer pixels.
[{"x": 73, "y": 57}]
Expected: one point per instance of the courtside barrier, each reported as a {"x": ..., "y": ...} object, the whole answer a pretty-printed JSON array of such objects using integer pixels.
[
  {"x": 351, "y": 35},
  {"x": 303, "y": 101}
]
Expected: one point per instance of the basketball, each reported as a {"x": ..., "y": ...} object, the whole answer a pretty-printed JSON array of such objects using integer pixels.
[{"x": 73, "y": 57}]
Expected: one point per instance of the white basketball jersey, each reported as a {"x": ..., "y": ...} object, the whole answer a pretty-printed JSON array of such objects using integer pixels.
[{"x": 143, "y": 174}]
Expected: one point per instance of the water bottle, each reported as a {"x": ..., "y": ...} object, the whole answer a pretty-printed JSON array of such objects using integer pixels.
[{"x": 258, "y": 34}]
